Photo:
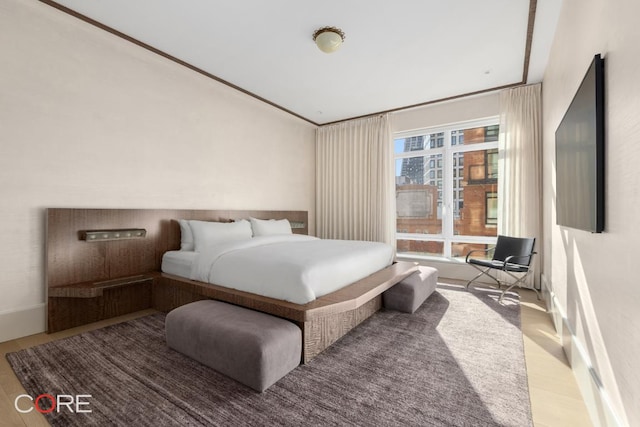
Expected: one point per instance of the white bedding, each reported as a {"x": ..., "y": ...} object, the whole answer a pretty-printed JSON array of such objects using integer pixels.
[
  {"x": 293, "y": 268},
  {"x": 179, "y": 263}
]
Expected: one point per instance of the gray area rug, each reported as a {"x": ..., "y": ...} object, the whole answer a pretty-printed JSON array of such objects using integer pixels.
[{"x": 457, "y": 361}]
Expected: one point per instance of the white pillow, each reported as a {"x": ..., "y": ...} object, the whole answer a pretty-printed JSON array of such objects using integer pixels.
[
  {"x": 186, "y": 236},
  {"x": 268, "y": 227},
  {"x": 206, "y": 233}
]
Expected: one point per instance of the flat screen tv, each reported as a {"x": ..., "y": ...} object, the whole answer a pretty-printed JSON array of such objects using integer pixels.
[{"x": 580, "y": 156}]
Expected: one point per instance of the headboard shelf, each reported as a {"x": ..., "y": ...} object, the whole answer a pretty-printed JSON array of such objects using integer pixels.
[{"x": 96, "y": 289}]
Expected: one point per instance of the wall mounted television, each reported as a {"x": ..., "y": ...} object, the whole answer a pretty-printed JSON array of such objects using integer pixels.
[{"x": 580, "y": 155}]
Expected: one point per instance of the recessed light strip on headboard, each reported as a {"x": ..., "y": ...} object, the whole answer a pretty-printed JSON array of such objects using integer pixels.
[{"x": 120, "y": 234}]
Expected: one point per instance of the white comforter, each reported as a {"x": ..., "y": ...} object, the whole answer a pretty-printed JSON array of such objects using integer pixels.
[{"x": 293, "y": 268}]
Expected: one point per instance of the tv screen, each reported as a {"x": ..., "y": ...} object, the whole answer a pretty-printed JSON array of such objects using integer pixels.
[{"x": 580, "y": 156}]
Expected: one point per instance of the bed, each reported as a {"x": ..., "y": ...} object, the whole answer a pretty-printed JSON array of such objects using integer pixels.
[
  {"x": 282, "y": 265},
  {"x": 89, "y": 281}
]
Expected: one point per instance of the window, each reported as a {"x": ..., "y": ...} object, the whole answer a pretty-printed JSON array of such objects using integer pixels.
[
  {"x": 446, "y": 190},
  {"x": 492, "y": 164},
  {"x": 484, "y": 169},
  {"x": 492, "y": 208}
]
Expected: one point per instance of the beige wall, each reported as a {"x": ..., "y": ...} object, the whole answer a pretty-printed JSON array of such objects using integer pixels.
[
  {"x": 595, "y": 276},
  {"x": 442, "y": 113},
  {"x": 90, "y": 120}
]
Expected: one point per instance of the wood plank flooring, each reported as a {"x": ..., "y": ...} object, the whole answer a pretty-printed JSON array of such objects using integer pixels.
[{"x": 555, "y": 398}]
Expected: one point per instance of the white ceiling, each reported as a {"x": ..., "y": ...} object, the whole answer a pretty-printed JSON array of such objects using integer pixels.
[{"x": 396, "y": 53}]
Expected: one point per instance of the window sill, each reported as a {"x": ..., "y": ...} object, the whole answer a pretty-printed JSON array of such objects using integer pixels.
[{"x": 431, "y": 258}]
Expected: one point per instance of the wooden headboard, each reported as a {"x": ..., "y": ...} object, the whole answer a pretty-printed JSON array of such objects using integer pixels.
[{"x": 78, "y": 270}]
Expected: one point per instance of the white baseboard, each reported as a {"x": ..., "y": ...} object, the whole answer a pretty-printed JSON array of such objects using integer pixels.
[
  {"x": 22, "y": 322},
  {"x": 596, "y": 399}
]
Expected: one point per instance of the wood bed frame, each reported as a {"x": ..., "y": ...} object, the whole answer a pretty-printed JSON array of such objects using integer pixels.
[{"x": 91, "y": 281}]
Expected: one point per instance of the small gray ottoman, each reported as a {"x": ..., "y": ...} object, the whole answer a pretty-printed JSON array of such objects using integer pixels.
[
  {"x": 253, "y": 348},
  {"x": 411, "y": 292}
]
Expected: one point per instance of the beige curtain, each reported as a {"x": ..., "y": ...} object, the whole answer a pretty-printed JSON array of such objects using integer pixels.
[
  {"x": 520, "y": 166},
  {"x": 355, "y": 190}
]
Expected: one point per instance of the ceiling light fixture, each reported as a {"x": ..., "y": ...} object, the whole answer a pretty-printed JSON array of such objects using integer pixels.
[{"x": 328, "y": 39}]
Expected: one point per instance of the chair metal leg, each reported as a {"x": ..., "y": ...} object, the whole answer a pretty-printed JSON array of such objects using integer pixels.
[
  {"x": 518, "y": 283},
  {"x": 485, "y": 272},
  {"x": 474, "y": 279}
]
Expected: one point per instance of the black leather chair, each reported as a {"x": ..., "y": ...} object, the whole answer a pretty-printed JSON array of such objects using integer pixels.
[{"x": 513, "y": 256}]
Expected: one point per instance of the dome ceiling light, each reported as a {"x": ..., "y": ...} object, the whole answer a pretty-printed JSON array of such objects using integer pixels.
[{"x": 328, "y": 39}]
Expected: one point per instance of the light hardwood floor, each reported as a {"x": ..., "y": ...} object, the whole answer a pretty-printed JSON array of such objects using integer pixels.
[{"x": 555, "y": 398}]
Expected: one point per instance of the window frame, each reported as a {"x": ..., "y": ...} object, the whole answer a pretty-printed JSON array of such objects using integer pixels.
[{"x": 447, "y": 150}]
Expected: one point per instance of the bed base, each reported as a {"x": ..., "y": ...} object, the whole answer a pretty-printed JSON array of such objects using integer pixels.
[{"x": 323, "y": 321}]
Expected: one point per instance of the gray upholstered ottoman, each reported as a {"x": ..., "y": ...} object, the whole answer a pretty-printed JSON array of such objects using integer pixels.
[
  {"x": 411, "y": 292},
  {"x": 253, "y": 348}
]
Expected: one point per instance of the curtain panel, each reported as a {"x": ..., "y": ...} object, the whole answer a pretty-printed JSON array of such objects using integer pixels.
[
  {"x": 355, "y": 188},
  {"x": 520, "y": 166}
]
